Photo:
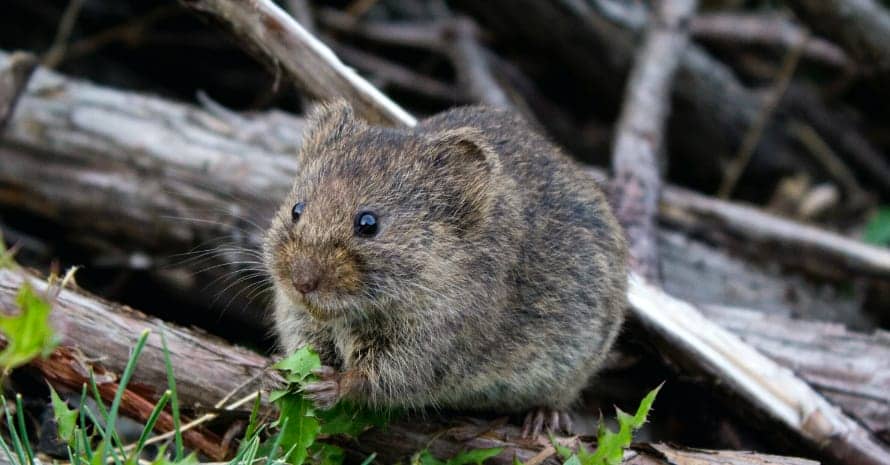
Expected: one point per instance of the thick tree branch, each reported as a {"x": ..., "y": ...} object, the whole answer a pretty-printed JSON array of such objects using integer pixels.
[
  {"x": 277, "y": 38},
  {"x": 640, "y": 129}
]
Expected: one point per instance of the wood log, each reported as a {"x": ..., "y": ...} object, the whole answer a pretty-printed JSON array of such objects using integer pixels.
[
  {"x": 640, "y": 132},
  {"x": 209, "y": 369},
  {"x": 279, "y": 40},
  {"x": 14, "y": 77}
]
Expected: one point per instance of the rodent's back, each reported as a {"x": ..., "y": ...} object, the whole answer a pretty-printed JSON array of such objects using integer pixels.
[{"x": 569, "y": 282}]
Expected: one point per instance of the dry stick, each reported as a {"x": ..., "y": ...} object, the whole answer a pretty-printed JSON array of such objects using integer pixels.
[
  {"x": 472, "y": 66},
  {"x": 765, "y": 29},
  {"x": 304, "y": 59},
  {"x": 861, "y": 27},
  {"x": 56, "y": 52},
  {"x": 640, "y": 132},
  {"x": 826, "y": 157},
  {"x": 749, "y": 144},
  {"x": 14, "y": 76}
]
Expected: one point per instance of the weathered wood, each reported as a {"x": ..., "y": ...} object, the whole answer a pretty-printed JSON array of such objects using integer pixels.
[
  {"x": 862, "y": 27},
  {"x": 841, "y": 364},
  {"x": 640, "y": 131},
  {"x": 14, "y": 75},
  {"x": 764, "y": 29},
  {"x": 281, "y": 41},
  {"x": 209, "y": 369}
]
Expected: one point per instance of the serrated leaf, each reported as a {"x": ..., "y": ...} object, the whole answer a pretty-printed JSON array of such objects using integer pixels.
[
  {"x": 299, "y": 365},
  {"x": 66, "y": 418},
  {"x": 877, "y": 230},
  {"x": 300, "y": 429},
  {"x": 28, "y": 333},
  {"x": 611, "y": 445}
]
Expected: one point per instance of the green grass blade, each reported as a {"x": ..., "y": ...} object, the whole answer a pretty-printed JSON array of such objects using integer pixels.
[
  {"x": 13, "y": 434},
  {"x": 6, "y": 450},
  {"x": 149, "y": 426},
  {"x": 174, "y": 400},
  {"x": 118, "y": 396},
  {"x": 20, "y": 413},
  {"x": 369, "y": 459},
  {"x": 277, "y": 442}
]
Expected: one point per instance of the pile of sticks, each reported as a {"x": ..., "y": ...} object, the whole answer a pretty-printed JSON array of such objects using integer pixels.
[{"x": 133, "y": 179}]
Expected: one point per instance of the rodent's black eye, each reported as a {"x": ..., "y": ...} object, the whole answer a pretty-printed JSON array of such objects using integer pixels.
[
  {"x": 366, "y": 224},
  {"x": 296, "y": 212}
]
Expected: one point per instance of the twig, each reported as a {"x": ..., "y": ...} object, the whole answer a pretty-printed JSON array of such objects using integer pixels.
[
  {"x": 640, "y": 131},
  {"x": 765, "y": 29},
  {"x": 749, "y": 144},
  {"x": 397, "y": 75},
  {"x": 473, "y": 70},
  {"x": 56, "y": 52},
  {"x": 14, "y": 76},
  {"x": 861, "y": 27},
  {"x": 308, "y": 62},
  {"x": 826, "y": 157}
]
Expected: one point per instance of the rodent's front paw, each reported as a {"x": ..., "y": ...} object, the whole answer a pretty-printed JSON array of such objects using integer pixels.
[{"x": 325, "y": 392}]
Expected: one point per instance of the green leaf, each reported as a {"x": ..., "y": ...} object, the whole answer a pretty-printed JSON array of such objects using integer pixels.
[
  {"x": 162, "y": 459},
  {"x": 66, "y": 418},
  {"x": 7, "y": 257},
  {"x": 299, "y": 427},
  {"x": 299, "y": 365},
  {"x": 877, "y": 230},
  {"x": 326, "y": 454},
  {"x": 349, "y": 419},
  {"x": 475, "y": 456},
  {"x": 29, "y": 333},
  {"x": 611, "y": 445}
]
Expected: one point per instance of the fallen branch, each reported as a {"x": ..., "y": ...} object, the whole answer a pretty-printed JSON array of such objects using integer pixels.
[
  {"x": 281, "y": 41},
  {"x": 862, "y": 27},
  {"x": 765, "y": 29},
  {"x": 639, "y": 133}
]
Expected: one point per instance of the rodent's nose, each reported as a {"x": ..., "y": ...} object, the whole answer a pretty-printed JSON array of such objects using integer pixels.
[{"x": 306, "y": 283}]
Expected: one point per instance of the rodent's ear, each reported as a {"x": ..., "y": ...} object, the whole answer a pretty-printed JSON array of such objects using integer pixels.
[
  {"x": 464, "y": 149},
  {"x": 328, "y": 121}
]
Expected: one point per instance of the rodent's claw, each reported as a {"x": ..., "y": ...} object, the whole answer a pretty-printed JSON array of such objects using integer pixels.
[
  {"x": 545, "y": 418},
  {"x": 325, "y": 392},
  {"x": 325, "y": 372}
]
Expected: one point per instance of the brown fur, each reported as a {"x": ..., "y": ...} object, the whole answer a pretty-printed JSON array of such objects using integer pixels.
[{"x": 496, "y": 281}]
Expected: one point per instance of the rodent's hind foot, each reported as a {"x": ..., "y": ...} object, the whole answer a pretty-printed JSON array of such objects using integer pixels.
[
  {"x": 325, "y": 392},
  {"x": 540, "y": 419}
]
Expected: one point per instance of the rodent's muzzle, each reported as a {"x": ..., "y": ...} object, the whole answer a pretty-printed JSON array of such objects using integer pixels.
[{"x": 307, "y": 275}]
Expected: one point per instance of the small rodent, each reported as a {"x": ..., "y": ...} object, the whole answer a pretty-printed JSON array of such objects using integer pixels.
[{"x": 465, "y": 263}]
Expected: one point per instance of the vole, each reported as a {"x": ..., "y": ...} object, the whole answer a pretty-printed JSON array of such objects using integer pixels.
[{"x": 465, "y": 263}]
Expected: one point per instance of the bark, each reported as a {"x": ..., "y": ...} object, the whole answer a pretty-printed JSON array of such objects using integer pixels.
[
  {"x": 14, "y": 77},
  {"x": 862, "y": 27},
  {"x": 277, "y": 39},
  {"x": 100, "y": 335},
  {"x": 640, "y": 129},
  {"x": 765, "y": 29}
]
